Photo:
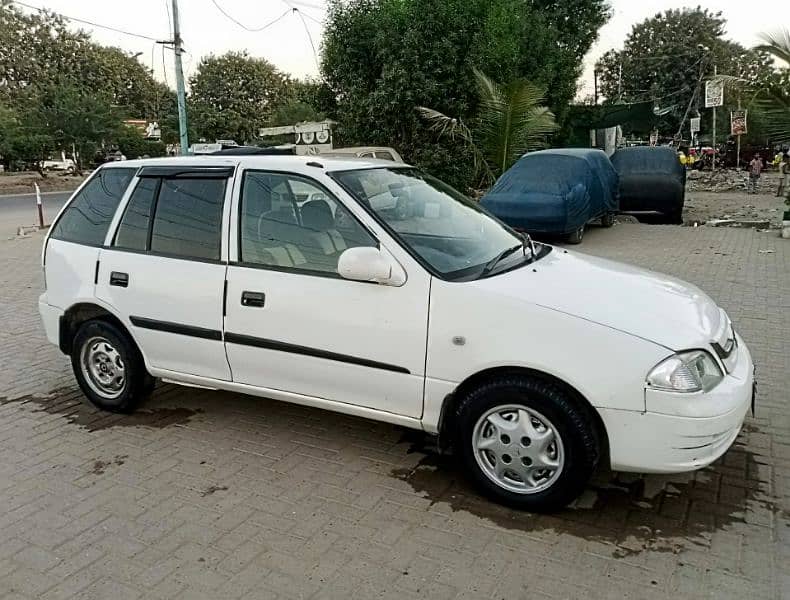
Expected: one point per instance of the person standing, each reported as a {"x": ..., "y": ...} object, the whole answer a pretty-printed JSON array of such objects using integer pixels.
[
  {"x": 755, "y": 168},
  {"x": 784, "y": 175}
]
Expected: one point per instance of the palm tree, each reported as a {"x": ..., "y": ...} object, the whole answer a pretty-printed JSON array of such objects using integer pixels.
[
  {"x": 775, "y": 103},
  {"x": 510, "y": 122}
]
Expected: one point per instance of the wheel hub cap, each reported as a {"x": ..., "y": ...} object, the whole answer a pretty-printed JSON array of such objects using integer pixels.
[
  {"x": 103, "y": 367},
  {"x": 518, "y": 449}
]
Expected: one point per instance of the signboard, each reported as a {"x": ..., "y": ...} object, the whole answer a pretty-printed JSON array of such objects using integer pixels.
[
  {"x": 204, "y": 148},
  {"x": 694, "y": 123},
  {"x": 309, "y": 138},
  {"x": 714, "y": 93},
  {"x": 150, "y": 130},
  {"x": 738, "y": 122}
]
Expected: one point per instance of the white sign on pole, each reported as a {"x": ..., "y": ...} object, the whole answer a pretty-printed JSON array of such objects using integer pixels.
[
  {"x": 694, "y": 124},
  {"x": 714, "y": 93}
]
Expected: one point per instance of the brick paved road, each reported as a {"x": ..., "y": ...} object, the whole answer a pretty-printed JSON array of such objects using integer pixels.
[{"x": 216, "y": 495}]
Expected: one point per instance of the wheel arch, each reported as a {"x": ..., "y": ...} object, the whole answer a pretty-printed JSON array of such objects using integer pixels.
[
  {"x": 447, "y": 414},
  {"x": 77, "y": 314}
]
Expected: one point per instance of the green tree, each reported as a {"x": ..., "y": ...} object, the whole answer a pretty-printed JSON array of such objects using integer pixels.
[
  {"x": 233, "y": 95},
  {"x": 510, "y": 122},
  {"x": 382, "y": 58},
  {"x": 773, "y": 104},
  {"x": 294, "y": 111},
  {"x": 75, "y": 120},
  {"x": 133, "y": 144},
  {"x": 665, "y": 58}
]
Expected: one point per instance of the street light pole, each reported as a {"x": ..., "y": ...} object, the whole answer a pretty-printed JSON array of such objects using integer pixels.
[{"x": 180, "y": 91}]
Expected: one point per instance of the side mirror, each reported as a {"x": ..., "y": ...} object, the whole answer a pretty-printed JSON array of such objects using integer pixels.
[{"x": 366, "y": 263}]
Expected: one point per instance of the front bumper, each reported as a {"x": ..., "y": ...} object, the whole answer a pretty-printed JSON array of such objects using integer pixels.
[
  {"x": 50, "y": 316},
  {"x": 681, "y": 432}
]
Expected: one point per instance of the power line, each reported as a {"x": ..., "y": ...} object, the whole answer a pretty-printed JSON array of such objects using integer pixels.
[
  {"x": 245, "y": 27},
  {"x": 309, "y": 37},
  {"x": 169, "y": 18},
  {"x": 91, "y": 23}
]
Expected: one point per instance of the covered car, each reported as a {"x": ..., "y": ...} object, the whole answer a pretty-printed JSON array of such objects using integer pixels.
[
  {"x": 652, "y": 182},
  {"x": 556, "y": 191}
]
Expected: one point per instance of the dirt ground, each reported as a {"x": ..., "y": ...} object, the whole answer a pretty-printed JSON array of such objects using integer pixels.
[
  {"x": 22, "y": 183},
  {"x": 705, "y": 206}
]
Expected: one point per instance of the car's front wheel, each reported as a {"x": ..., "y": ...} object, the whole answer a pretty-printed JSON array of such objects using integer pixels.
[
  {"x": 576, "y": 237},
  {"x": 109, "y": 368},
  {"x": 526, "y": 443}
]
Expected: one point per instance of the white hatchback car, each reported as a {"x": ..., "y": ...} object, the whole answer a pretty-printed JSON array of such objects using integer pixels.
[{"x": 381, "y": 292}]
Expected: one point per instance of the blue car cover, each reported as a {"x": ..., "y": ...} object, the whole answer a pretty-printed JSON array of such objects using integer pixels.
[{"x": 555, "y": 191}]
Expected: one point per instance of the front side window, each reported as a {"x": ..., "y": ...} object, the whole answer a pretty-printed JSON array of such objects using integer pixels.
[
  {"x": 179, "y": 217},
  {"x": 453, "y": 235},
  {"x": 292, "y": 223},
  {"x": 88, "y": 216}
]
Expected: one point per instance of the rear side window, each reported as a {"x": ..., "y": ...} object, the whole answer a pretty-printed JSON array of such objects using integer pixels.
[
  {"x": 133, "y": 231},
  {"x": 88, "y": 216},
  {"x": 188, "y": 220}
]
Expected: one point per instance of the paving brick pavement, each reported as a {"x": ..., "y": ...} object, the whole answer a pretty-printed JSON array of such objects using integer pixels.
[{"x": 215, "y": 495}]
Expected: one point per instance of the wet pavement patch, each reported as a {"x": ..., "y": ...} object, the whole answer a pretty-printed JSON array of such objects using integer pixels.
[
  {"x": 633, "y": 513},
  {"x": 71, "y": 404}
]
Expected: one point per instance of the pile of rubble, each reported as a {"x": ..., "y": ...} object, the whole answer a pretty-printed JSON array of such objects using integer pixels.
[
  {"x": 721, "y": 180},
  {"x": 726, "y": 180}
]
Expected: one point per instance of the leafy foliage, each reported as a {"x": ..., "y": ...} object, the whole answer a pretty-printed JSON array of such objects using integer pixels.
[
  {"x": 510, "y": 122},
  {"x": 382, "y": 58},
  {"x": 774, "y": 104},
  {"x": 665, "y": 56},
  {"x": 234, "y": 95},
  {"x": 63, "y": 89}
]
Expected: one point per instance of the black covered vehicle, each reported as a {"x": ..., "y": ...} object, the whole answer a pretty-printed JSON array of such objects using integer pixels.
[{"x": 652, "y": 182}]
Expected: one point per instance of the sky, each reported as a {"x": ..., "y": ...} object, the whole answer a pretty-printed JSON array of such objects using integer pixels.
[{"x": 287, "y": 42}]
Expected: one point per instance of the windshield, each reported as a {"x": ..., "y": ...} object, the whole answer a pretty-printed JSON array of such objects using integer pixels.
[{"x": 449, "y": 232}]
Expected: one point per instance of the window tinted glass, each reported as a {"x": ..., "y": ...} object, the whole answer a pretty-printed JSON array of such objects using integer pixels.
[
  {"x": 133, "y": 230},
  {"x": 88, "y": 216},
  {"x": 384, "y": 155},
  {"x": 290, "y": 222},
  {"x": 188, "y": 218}
]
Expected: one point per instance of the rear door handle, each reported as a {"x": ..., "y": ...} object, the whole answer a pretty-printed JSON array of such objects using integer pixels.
[
  {"x": 119, "y": 279},
  {"x": 254, "y": 299}
]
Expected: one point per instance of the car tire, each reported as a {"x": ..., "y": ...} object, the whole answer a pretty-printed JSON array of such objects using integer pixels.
[
  {"x": 546, "y": 426},
  {"x": 607, "y": 220},
  {"x": 577, "y": 236},
  {"x": 109, "y": 367}
]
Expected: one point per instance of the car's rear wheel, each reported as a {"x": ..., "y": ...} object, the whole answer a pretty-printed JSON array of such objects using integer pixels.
[
  {"x": 526, "y": 443},
  {"x": 109, "y": 368},
  {"x": 576, "y": 237}
]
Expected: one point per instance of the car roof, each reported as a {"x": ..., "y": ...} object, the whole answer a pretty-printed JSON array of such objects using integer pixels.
[{"x": 298, "y": 164}]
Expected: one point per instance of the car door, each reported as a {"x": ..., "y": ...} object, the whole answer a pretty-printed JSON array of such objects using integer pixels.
[
  {"x": 164, "y": 271},
  {"x": 294, "y": 325}
]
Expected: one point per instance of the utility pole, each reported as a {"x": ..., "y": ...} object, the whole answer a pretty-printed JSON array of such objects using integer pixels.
[
  {"x": 715, "y": 73},
  {"x": 620, "y": 81},
  {"x": 595, "y": 86},
  {"x": 180, "y": 91}
]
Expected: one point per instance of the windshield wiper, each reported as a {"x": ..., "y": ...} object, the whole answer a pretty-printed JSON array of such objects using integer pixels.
[{"x": 494, "y": 261}]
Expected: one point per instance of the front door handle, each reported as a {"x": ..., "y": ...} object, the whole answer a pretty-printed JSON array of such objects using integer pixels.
[
  {"x": 254, "y": 299},
  {"x": 119, "y": 279}
]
